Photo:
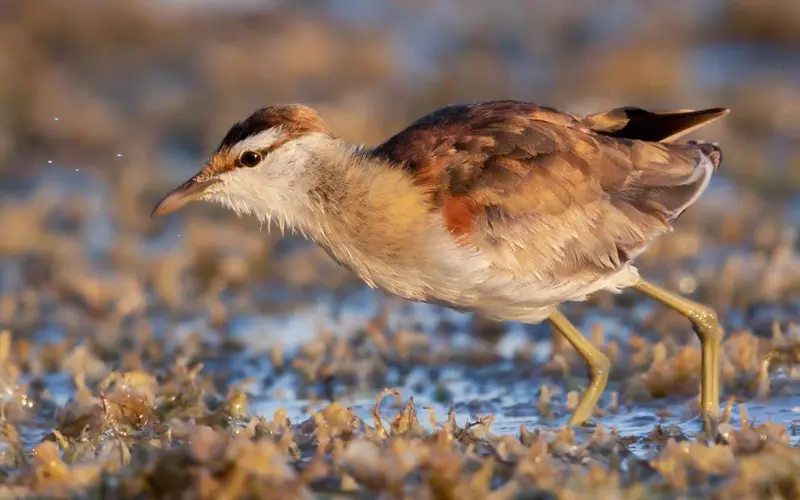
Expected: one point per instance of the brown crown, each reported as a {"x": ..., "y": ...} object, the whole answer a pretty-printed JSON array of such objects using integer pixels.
[{"x": 294, "y": 119}]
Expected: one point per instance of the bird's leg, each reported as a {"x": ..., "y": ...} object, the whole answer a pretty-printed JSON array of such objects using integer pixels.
[
  {"x": 598, "y": 363},
  {"x": 706, "y": 325}
]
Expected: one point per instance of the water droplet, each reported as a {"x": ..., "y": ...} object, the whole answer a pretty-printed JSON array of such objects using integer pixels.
[
  {"x": 49, "y": 161},
  {"x": 119, "y": 155},
  {"x": 55, "y": 118},
  {"x": 687, "y": 284},
  {"x": 77, "y": 170}
]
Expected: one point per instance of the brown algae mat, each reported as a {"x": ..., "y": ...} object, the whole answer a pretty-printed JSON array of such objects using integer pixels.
[{"x": 169, "y": 432}]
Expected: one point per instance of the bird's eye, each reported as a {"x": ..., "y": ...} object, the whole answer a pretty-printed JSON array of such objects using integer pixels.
[{"x": 250, "y": 159}]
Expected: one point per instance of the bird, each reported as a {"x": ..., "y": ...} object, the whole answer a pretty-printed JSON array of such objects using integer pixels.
[{"x": 503, "y": 208}]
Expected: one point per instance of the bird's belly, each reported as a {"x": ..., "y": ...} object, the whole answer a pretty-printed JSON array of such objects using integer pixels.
[
  {"x": 527, "y": 299},
  {"x": 443, "y": 272}
]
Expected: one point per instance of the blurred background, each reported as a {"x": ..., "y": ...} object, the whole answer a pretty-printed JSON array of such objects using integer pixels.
[{"x": 106, "y": 105}]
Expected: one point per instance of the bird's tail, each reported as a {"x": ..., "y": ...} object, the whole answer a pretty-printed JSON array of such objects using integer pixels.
[{"x": 710, "y": 150}]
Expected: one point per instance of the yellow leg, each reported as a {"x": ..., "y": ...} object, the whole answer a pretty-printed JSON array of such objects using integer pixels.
[
  {"x": 706, "y": 325},
  {"x": 598, "y": 363}
]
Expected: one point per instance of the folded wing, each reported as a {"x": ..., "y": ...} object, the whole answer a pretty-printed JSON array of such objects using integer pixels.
[{"x": 544, "y": 192}]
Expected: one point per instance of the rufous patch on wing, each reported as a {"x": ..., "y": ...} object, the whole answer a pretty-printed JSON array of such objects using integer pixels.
[{"x": 459, "y": 213}]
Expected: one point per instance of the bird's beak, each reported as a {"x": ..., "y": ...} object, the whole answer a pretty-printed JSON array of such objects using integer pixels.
[{"x": 189, "y": 191}]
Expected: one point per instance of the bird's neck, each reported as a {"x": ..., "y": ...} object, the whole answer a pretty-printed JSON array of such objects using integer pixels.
[{"x": 363, "y": 208}]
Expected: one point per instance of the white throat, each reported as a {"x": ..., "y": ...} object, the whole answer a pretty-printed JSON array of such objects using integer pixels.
[{"x": 279, "y": 188}]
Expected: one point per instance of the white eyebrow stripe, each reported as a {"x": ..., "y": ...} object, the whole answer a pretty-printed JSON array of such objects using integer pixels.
[{"x": 258, "y": 141}]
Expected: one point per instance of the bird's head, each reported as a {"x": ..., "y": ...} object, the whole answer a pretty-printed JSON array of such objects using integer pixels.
[{"x": 265, "y": 165}]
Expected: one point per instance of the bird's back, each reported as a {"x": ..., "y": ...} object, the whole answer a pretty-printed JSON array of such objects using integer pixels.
[{"x": 551, "y": 197}]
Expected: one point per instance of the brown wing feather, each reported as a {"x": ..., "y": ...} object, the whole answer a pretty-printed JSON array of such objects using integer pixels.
[
  {"x": 648, "y": 125},
  {"x": 541, "y": 191}
]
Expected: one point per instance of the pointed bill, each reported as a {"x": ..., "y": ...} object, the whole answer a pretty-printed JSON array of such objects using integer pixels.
[{"x": 189, "y": 191}]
